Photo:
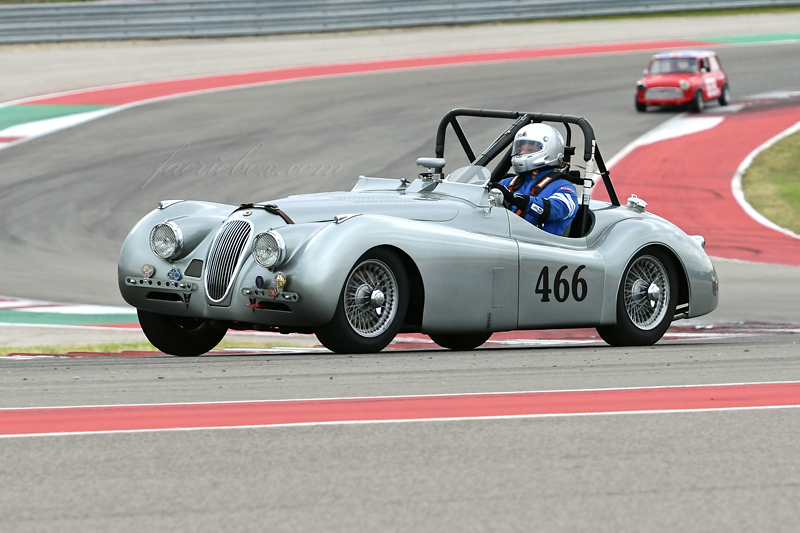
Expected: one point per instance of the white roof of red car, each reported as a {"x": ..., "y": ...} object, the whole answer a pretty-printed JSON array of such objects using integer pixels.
[{"x": 685, "y": 53}]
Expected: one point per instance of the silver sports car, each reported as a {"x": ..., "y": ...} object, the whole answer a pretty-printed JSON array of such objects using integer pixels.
[{"x": 440, "y": 255}]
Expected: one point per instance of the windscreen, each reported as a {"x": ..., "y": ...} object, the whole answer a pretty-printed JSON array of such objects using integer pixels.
[
  {"x": 472, "y": 175},
  {"x": 673, "y": 64}
]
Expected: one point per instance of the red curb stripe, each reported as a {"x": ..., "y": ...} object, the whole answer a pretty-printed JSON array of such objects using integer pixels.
[
  {"x": 131, "y": 93},
  {"x": 687, "y": 180},
  {"x": 207, "y": 415},
  {"x": 9, "y": 139}
]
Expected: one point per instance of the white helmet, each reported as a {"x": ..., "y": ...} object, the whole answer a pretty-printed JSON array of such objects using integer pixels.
[{"x": 536, "y": 146}]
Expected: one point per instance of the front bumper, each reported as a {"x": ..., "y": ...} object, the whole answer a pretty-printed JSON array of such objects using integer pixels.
[
  {"x": 664, "y": 96},
  {"x": 262, "y": 307}
]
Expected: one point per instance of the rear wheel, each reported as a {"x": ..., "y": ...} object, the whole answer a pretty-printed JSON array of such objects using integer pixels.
[
  {"x": 698, "y": 104},
  {"x": 371, "y": 308},
  {"x": 468, "y": 341},
  {"x": 182, "y": 336},
  {"x": 725, "y": 98},
  {"x": 646, "y": 301}
]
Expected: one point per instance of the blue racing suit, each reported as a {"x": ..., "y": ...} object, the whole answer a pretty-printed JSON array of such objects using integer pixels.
[{"x": 553, "y": 202}]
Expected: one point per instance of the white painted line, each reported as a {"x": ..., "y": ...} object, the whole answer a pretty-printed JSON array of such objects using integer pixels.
[
  {"x": 39, "y": 306},
  {"x": 411, "y": 396},
  {"x": 38, "y": 128},
  {"x": 405, "y": 421}
]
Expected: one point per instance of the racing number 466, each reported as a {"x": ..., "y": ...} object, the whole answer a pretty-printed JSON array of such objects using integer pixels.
[{"x": 561, "y": 287}]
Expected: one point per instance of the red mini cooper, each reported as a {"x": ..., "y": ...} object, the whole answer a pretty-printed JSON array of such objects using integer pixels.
[{"x": 683, "y": 77}]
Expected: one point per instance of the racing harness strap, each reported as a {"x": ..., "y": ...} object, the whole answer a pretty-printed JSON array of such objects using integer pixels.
[
  {"x": 271, "y": 208},
  {"x": 536, "y": 190}
]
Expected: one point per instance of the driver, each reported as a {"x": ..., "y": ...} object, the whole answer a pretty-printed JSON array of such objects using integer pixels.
[{"x": 538, "y": 192}]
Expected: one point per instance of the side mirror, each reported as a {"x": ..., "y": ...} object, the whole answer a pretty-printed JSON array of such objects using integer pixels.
[{"x": 433, "y": 163}]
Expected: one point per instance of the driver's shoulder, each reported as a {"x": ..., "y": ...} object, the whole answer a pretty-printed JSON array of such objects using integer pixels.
[{"x": 561, "y": 185}]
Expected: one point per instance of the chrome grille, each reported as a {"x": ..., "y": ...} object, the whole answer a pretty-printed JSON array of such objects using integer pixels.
[
  {"x": 224, "y": 259},
  {"x": 663, "y": 93}
]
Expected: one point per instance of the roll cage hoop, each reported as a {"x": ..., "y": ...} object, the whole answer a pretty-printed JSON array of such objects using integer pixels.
[{"x": 591, "y": 153}]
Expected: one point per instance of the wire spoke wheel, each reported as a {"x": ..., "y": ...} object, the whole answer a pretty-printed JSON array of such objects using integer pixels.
[
  {"x": 370, "y": 298},
  {"x": 372, "y": 305},
  {"x": 646, "y": 292},
  {"x": 646, "y": 300}
]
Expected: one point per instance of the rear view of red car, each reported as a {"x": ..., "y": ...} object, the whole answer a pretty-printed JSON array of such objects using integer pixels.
[{"x": 683, "y": 77}]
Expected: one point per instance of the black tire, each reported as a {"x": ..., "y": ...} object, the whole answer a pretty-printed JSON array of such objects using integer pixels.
[
  {"x": 725, "y": 97},
  {"x": 365, "y": 329},
  {"x": 698, "y": 104},
  {"x": 640, "y": 107},
  {"x": 181, "y": 336},
  {"x": 461, "y": 342},
  {"x": 644, "y": 315}
]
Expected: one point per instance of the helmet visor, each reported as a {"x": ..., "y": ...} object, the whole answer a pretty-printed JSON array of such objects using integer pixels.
[{"x": 526, "y": 146}]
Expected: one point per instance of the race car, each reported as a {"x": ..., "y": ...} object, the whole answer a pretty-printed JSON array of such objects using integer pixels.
[
  {"x": 440, "y": 256},
  {"x": 683, "y": 77}
]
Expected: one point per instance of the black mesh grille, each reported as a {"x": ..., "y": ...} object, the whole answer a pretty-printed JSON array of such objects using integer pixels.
[
  {"x": 195, "y": 269},
  {"x": 224, "y": 258}
]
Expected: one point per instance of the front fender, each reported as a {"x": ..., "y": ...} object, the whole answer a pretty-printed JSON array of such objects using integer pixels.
[
  {"x": 470, "y": 280},
  {"x": 626, "y": 238}
]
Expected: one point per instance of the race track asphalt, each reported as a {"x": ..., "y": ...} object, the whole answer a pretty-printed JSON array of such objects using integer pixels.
[{"x": 67, "y": 201}]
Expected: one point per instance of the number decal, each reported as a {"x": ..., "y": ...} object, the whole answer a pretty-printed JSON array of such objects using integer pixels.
[
  {"x": 561, "y": 287},
  {"x": 579, "y": 287},
  {"x": 543, "y": 285}
]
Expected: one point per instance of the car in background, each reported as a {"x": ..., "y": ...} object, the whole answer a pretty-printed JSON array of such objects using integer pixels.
[{"x": 683, "y": 77}]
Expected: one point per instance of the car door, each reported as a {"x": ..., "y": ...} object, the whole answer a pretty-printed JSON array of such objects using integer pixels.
[
  {"x": 560, "y": 280},
  {"x": 711, "y": 86},
  {"x": 716, "y": 70}
]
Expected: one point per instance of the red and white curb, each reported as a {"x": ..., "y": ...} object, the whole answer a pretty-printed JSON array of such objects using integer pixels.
[
  {"x": 60, "y": 421},
  {"x": 38, "y": 306}
]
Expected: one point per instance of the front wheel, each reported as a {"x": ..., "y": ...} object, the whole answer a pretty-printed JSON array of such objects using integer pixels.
[
  {"x": 725, "y": 98},
  {"x": 459, "y": 342},
  {"x": 182, "y": 336},
  {"x": 640, "y": 107},
  {"x": 698, "y": 104},
  {"x": 646, "y": 301},
  {"x": 371, "y": 308}
]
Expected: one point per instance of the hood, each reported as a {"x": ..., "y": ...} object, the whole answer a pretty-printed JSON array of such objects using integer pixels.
[{"x": 324, "y": 206}]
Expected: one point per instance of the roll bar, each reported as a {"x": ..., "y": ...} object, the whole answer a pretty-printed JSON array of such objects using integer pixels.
[{"x": 521, "y": 119}]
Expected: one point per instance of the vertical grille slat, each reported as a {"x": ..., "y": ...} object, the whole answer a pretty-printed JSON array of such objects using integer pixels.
[{"x": 224, "y": 258}]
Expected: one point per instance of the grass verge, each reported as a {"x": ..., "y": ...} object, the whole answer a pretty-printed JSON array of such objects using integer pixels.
[
  {"x": 137, "y": 347},
  {"x": 772, "y": 183}
]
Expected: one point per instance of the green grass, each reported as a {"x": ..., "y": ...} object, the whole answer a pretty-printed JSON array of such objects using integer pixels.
[
  {"x": 772, "y": 183},
  {"x": 137, "y": 347}
]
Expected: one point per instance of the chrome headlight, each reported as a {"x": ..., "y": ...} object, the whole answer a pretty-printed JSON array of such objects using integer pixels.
[
  {"x": 166, "y": 240},
  {"x": 269, "y": 249},
  {"x": 685, "y": 85}
]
